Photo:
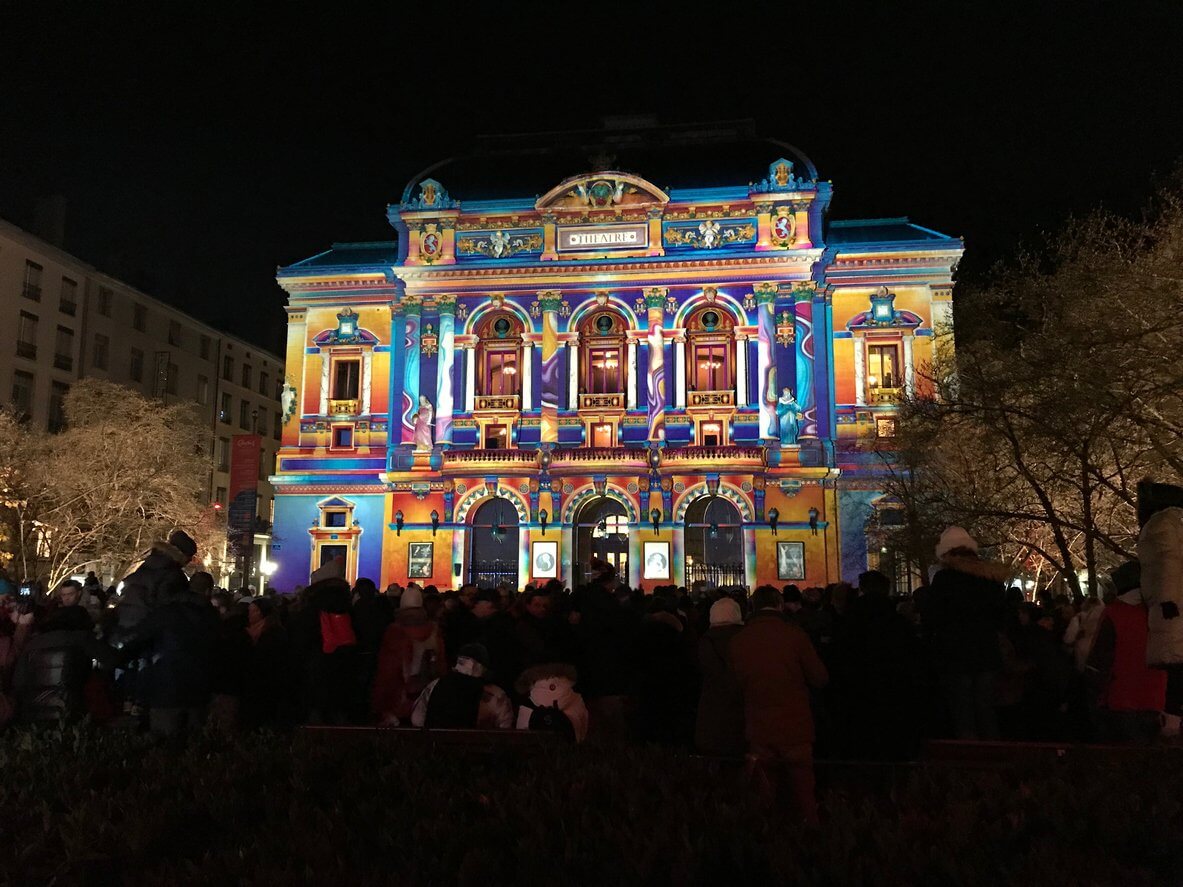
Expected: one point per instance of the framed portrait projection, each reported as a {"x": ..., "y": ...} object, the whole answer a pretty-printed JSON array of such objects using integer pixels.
[
  {"x": 790, "y": 560},
  {"x": 419, "y": 557},
  {"x": 656, "y": 562},
  {"x": 544, "y": 560}
]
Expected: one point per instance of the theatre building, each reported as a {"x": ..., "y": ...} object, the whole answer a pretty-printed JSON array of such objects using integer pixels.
[{"x": 691, "y": 383}]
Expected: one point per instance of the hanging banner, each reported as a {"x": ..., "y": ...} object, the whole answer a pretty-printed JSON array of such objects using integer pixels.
[{"x": 244, "y": 488}]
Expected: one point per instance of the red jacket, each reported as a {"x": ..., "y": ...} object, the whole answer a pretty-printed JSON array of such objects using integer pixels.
[
  {"x": 411, "y": 657},
  {"x": 1132, "y": 685}
]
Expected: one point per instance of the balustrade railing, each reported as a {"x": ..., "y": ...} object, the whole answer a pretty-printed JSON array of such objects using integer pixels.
[
  {"x": 731, "y": 455},
  {"x": 505, "y": 402},
  {"x": 711, "y": 398},
  {"x": 344, "y": 407},
  {"x": 601, "y": 401},
  {"x": 455, "y": 456}
]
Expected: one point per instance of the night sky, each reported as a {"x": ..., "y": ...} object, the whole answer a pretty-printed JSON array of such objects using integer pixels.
[{"x": 200, "y": 146}]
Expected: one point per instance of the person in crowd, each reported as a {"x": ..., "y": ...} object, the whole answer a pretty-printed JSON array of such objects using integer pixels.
[
  {"x": 324, "y": 642},
  {"x": 666, "y": 676},
  {"x": 551, "y": 701},
  {"x": 464, "y": 698},
  {"x": 161, "y": 576},
  {"x": 460, "y": 624},
  {"x": 371, "y": 615},
  {"x": 1130, "y": 695},
  {"x": 606, "y": 631},
  {"x": 963, "y": 618},
  {"x": 719, "y": 724},
  {"x": 412, "y": 656},
  {"x": 1082, "y": 631},
  {"x": 1160, "y": 553},
  {"x": 266, "y": 683},
  {"x": 231, "y": 649},
  {"x": 180, "y": 633},
  {"x": 875, "y": 676},
  {"x": 53, "y": 678},
  {"x": 776, "y": 667}
]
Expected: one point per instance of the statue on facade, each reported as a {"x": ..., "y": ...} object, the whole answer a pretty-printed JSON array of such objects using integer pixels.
[
  {"x": 423, "y": 423},
  {"x": 788, "y": 415},
  {"x": 287, "y": 401}
]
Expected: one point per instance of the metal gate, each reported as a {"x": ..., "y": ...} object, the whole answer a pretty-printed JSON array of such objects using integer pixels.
[
  {"x": 715, "y": 575},
  {"x": 490, "y": 574}
]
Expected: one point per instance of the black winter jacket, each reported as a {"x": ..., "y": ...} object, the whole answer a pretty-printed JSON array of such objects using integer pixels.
[
  {"x": 963, "y": 615},
  {"x": 179, "y": 636},
  {"x": 52, "y": 671}
]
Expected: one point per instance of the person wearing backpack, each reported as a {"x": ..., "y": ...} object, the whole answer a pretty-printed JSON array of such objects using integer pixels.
[
  {"x": 551, "y": 701},
  {"x": 411, "y": 657},
  {"x": 324, "y": 641},
  {"x": 719, "y": 726}
]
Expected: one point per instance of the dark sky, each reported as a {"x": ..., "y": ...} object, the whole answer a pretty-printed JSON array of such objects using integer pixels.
[{"x": 201, "y": 145}]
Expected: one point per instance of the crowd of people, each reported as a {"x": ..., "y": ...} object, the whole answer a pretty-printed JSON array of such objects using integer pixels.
[{"x": 774, "y": 676}]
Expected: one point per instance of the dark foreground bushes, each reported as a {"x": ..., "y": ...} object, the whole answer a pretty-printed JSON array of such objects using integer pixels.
[{"x": 82, "y": 807}]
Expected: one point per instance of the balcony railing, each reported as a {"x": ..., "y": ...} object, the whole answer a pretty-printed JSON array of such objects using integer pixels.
[
  {"x": 711, "y": 398},
  {"x": 502, "y": 402},
  {"x": 601, "y": 401},
  {"x": 745, "y": 456},
  {"x": 599, "y": 454},
  {"x": 883, "y": 395},
  {"x": 26, "y": 349},
  {"x": 31, "y": 291},
  {"x": 63, "y": 361},
  {"x": 456, "y": 457},
  {"x": 346, "y": 407}
]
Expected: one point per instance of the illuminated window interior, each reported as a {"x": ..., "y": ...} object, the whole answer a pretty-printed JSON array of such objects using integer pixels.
[
  {"x": 883, "y": 366},
  {"x": 346, "y": 379}
]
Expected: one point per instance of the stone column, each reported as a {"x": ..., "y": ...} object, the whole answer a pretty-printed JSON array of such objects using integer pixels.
[
  {"x": 447, "y": 365},
  {"x": 860, "y": 370},
  {"x": 680, "y": 372},
  {"x": 367, "y": 381},
  {"x": 655, "y": 303},
  {"x": 766, "y": 334},
  {"x": 469, "y": 378},
  {"x": 573, "y": 374},
  {"x": 527, "y": 370},
  {"x": 410, "y": 405},
  {"x": 550, "y": 301},
  {"x": 325, "y": 369},
  {"x": 741, "y": 371},
  {"x": 631, "y": 385}
]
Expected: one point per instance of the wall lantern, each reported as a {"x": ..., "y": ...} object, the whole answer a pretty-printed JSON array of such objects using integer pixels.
[
  {"x": 773, "y": 517},
  {"x": 655, "y": 518},
  {"x": 543, "y": 517},
  {"x": 654, "y": 457},
  {"x": 398, "y": 523},
  {"x": 435, "y": 521},
  {"x": 712, "y": 485}
]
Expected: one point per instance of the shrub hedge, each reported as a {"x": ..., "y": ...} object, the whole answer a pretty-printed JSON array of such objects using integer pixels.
[{"x": 79, "y": 806}]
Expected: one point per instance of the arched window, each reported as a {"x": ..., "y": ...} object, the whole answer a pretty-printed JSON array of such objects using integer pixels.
[
  {"x": 499, "y": 356},
  {"x": 711, "y": 347},
  {"x": 602, "y": 343}
]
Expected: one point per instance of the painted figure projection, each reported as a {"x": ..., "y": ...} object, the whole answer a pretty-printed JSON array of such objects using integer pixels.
[
  {"x": 423, "y": 421},
  {"x": 788, "y": 413}
]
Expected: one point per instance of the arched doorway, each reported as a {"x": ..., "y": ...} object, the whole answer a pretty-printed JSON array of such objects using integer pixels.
[
  {"x": 601, "y": 530},
  {"x": 493, "y": 544},
  {"x": 714, "y": 543}
]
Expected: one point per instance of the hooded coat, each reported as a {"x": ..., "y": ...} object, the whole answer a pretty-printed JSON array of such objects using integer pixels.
[
  {"x": 1160, "y": 551},
  {"x": 964, "y": 613}
]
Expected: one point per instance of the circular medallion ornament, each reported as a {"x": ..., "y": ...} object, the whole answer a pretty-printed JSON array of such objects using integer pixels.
[
  {"x": 430, "y": 244},
  {"x": 461, "y": 489},
  {"x": 632, "y": 487},
  {"x": 524, "y": 489},
  {"x": 604, "y": 324},
  {"x": 679, "y": 487},
  {"x": 501, "y": 327},
  {"x": 710, "y": 319},
  {"x": 568, "y": 489},
  {"x": 746, "y": 486}
]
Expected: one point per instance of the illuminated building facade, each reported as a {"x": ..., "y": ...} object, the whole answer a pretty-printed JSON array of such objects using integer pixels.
[{"x": 690, "y": 383}]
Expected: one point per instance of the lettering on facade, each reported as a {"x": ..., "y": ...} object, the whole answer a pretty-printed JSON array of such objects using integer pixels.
[{"x": 600, "y": 237}]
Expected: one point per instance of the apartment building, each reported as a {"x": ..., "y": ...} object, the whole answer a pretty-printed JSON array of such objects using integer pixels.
[{"x": 62, "y": 320}]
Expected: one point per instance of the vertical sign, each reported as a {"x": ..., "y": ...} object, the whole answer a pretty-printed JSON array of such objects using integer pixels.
[{"x": 244, "y": 490}]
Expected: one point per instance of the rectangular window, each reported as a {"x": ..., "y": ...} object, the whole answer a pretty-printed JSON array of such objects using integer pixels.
[
  {"x": 263, "y": 379},
  {"x": 343, "y": 437},
  {"x": 139, "y": 317},
  {"x": 104, "y": 301},
  {"x": 336, "y": 519},
  {"x": 204, "y": 348},
  {"x": 102, "y": 345},
  {"x": 277, "y": 430},
  {"x": 173, "y": 379},
  {"x": 220, "y": 496},
  {"x": 68, "y": 303},
  {"x": 330, "y": 553},
  {"x": 601, "y": 435},
  {"x": 502, "y": 372},
  {"x": 883, "y": 367},
  {"x": 244, "y": 415},
  {"x": 246, "y": 375},
  {"x": 26, "y": 335},
  {"x": 260, "y": 423},
  {"x": 22, "y": 394},
  {"x": 63, "y": 349},
  {"x": 346, "y": 379},
  {"x": 224, "y": 412},
  {"x": 57, "y": 406},
  {"x": 228, "y": 368},
  {"x": 202, "y": 390},
  {"x": 496, "y": 437},
  {"x": 712, "y": 434},
  {"x": 223, "y": 454},
  {"x": 135, "y": 367},
  {"x": 174, "y": 332},
  {"x": 710, "y": 368},
  {"x": 604, "y": 371},
  {"x": 32, "y": 286}
]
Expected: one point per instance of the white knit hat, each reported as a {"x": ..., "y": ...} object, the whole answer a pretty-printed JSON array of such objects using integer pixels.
[
  {"x": 725, "y": 611},
  {"x": 955, "y": 537},
  {"x": 412, "y": 597}
]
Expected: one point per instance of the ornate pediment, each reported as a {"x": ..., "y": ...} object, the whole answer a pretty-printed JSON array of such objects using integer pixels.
[{"x": 602, "y": 190}]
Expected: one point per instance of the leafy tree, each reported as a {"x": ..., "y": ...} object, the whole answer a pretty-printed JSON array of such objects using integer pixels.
[
  {"x": 1065, "y": 389},
  {"x": 124, "y": 472}
]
